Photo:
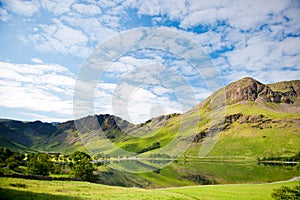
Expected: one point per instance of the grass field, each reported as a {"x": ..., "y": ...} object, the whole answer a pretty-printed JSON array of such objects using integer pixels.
[{"x": 33, "y": 189}]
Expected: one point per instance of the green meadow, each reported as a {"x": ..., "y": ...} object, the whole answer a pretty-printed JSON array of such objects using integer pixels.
[{"x": 15, "y": 188}]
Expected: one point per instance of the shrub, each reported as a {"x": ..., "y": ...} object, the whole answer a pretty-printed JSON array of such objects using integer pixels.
[{"x": 287, "y": 193}]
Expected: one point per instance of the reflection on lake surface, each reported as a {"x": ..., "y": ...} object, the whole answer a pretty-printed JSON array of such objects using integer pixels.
[
  {"x": 226, "y": 170},
  {"x": 190, "y": 172}
]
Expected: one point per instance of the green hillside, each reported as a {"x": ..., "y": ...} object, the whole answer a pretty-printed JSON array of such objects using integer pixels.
[{"x": 217, "y": 141}]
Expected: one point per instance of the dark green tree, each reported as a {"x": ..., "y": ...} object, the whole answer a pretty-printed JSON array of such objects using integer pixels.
[
  {"x": 81, "y": 166},
  {"x": 40, "y": 164},
  {"x": 287, "y": 193},
  {"x": 5, "y": 154},
  {"x": 12, "y": 163}
]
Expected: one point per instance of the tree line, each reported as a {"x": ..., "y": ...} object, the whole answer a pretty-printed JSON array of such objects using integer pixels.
[
  {"x": 295, "y": 158},
  {"x": 78, "y": 163}
]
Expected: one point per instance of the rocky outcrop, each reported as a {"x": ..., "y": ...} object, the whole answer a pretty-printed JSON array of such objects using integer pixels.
[
  {"x": 252, "y": 90},
  {"x": 224, "y": 125}
]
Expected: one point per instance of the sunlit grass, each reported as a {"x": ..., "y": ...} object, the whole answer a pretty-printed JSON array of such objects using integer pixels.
[{"x": 34, "y": 189}]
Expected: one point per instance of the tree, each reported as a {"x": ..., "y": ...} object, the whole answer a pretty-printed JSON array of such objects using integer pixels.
[
  {"x": 12, "y": 163},
  {"x": 40, "y": 164},
  {"x": 81, "y": 166},
  {"x": 287, "y": 193},
  {"x": 5, "y": 154}
]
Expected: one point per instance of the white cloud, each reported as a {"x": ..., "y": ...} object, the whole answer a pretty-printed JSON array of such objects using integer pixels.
[
  {"x": 57, "y": 7},
  {"x": 69, "y": 35},
  {"x": 87, "y": 9},
  {"x": 264, "y": 38},
  {"x": 41, "y": 117},
  {"x": 42, "y": 88},
  {"x": 4, "y": 15},
  {"x": 27, "y": 8},
  {"x": 143, "y": 105},
  {"x": 36, "y": 60},
  {"x": 62, "y": 39},
  {"x": 92, "y": 27},
  {"x": 106, "y": 4}
]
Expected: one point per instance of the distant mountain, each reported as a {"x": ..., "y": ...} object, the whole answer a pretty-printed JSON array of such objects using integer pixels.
[
  {"x": 256, "y": 114},
  {"x": 44, "y": 136},
  {"x": 22, "y": 135}
]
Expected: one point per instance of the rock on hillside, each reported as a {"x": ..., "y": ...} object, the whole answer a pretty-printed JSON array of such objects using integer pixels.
[{"x": 253, "y": 90}]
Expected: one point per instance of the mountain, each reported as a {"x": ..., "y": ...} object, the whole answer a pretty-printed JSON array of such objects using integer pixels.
[
  {"x": 251, "y": 112},
  {"x": 21, "y": 135},
  {"x": 228, "y": 131},
  {"x": 41, "y": 136}
]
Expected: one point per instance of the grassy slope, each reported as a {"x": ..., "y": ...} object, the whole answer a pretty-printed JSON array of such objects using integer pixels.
[
  {"x": 33, "y": 189},
  {"x": 285, "y": 85},
  {"x": 281, "y": 138},
  {"x": 233, "y": 158}
]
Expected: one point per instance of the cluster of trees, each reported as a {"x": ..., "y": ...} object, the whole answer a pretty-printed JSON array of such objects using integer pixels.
[
  {"x": 10, "y": 159},
  {"x": 295, "y": 158},
  {"x": 44, "y": 164},
  {"x": 277, "y": 160}
]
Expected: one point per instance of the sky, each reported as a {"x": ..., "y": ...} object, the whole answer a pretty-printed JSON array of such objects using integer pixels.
[{"x": 46, "y": 46}]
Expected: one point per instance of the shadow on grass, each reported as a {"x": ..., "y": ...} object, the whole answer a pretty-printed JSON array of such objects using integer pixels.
[{"x": 22, "y": 195}]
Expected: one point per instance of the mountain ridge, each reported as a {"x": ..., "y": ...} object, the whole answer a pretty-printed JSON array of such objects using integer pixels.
[{"x": 281, "y": 97}]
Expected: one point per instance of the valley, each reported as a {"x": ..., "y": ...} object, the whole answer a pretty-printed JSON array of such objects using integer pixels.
[{"x": 253, "y": 121}]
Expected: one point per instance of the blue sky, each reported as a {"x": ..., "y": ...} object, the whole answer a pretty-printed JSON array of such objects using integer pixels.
[{"x": 45, "y": 43}]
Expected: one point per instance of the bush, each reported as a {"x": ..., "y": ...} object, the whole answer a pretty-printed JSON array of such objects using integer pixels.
[{"x": 287, "y": 193}]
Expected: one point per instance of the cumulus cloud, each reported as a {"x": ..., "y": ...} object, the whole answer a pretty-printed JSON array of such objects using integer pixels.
[
  {"x": 57, "y": 7},
  {"x": 86, "y": 9},
  {"x": 260, "y": 35},
  {"x": 26, "y": 8},
  {"x": 61, "y": 39},
  {"x": 138, "y": 104},
  {"x": 39, "y": 87}
]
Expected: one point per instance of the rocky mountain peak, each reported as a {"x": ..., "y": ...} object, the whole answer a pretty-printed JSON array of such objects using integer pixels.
[
  {"x": 94, "y": 122},
  {"x": 253, "y": 90}
]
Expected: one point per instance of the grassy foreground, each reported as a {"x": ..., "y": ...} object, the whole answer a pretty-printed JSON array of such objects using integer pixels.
[{"x": 11, "y": 188}]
